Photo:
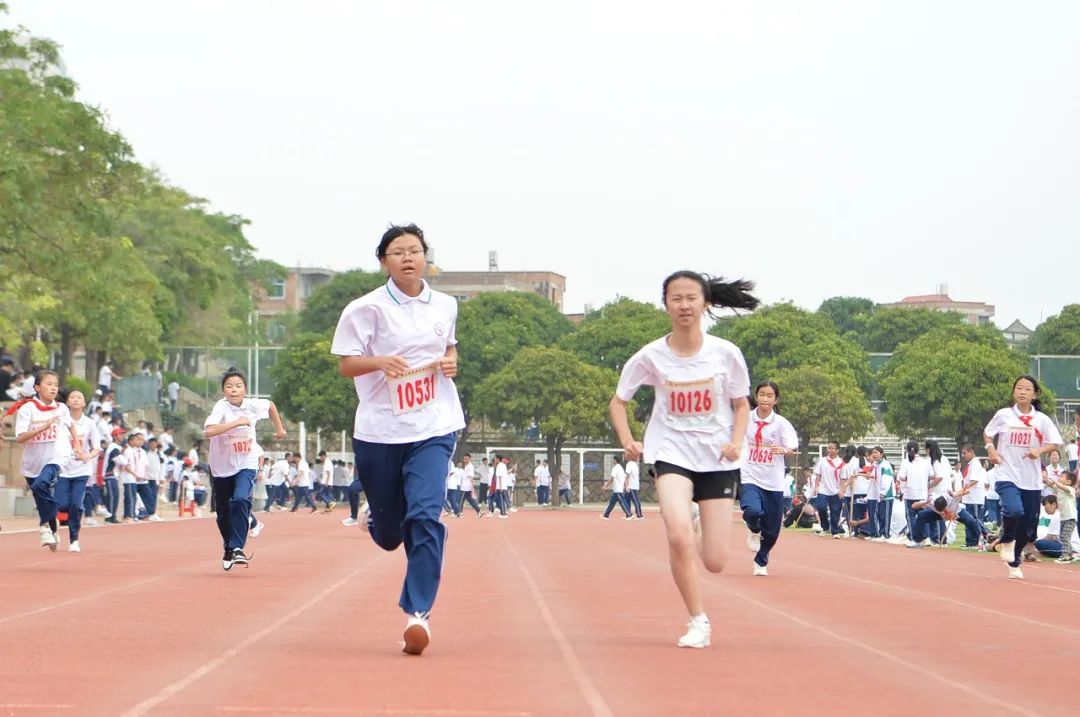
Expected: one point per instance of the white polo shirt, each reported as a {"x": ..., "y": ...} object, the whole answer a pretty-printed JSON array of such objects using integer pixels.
[
  {"x": 53, "y": 445},
  {"x": 1015, "y": 439},
  {"x": 453, "y": 477},
  {"x": 763, "y": 468},
  {"x": 618, "y": 478},
  {"x": 468, "y": 473},
  {"x": 830, "y": 473},
  {"x": 89, "y": 439},
  {"x": 692, "y": 417},
  {"x": 973, "y": 473},
  {"x": 236, "y": 449},
  {"x": 915, "y": 475},
  {"x": 387, "y": 322},
  {"x": 303, "y": 474},
  {"x": 633, "y": 476},
  {"x": 278, "y": 472}
]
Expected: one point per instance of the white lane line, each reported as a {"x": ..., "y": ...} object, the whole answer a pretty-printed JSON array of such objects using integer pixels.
[
  {"x": 588, "y": 690},
  {"x": 197, "y": 674}
]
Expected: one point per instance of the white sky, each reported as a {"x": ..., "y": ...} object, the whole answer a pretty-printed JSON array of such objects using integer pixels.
[{"x": 821, "y": 148}]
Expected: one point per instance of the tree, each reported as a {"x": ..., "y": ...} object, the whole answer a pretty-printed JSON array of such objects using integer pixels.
[
  {"x": 309, "y": 387},
  {"x": 783, "y": 336},
  {"x": 1060, "y": 334},
  {"x": 492, "y": 328},
  {"x": 945, "y": 384},
  {"x": 323, "y": 308},
  {"x": 822, "y": 402},
  {"x": 610, "y": 336},
  {"x": 888, "y": 327},
  {"x": 564, "y": 395},
  {"x": 848, "y": 313}
]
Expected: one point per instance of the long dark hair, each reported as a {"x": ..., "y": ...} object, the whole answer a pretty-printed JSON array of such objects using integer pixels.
[
  {"x": 718, "y": 293},
  {"x": 849, "y": 452},
  {"x": 933, "y": 450},
  {"x": 912, "y": 449},
  {"x": 1035, "y": 402},
  {"x": 861, "y": 453}
]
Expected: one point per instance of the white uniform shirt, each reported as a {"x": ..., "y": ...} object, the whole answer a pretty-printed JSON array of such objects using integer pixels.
[
  {"x": 485, "y": 474},
  {"x": 633, "y": 476},
  {"x": 618, "y": 478},
  {"x": 387, "y": 322},
  {"x": 53, "y": 445},
  {"x": 278, "y": 472},
  {"x": 89, "y": 439},
  {"x": 1072, "y": 452},
  {"x": 915, "y": 477},
  {"x": 153, "y": 466},
  {"x": 453, "y": 478},
  {"x": 468, "y": 473},
  {"x": 1053, "y": 473},
  {"x": 326, "y": 472},
  {"x": 1015, "y": 440},
  {"x": 499, "y": 480},
  {"x": 941, "y": 469},
  {"x": 763, "y": 468},
  {"x": 303, "y": 474},
  {"x": 973, "y": 473},
  {"x": 236, "y": 449},
  {"x": 860, "y": 485},
  {"x": 692, "y": 417},
  {"x": 831, "y": 472},
  {"x": 105, "y": 377},
  {"x": 542, "y": 475},
  {"x": 133, "y": 462}
]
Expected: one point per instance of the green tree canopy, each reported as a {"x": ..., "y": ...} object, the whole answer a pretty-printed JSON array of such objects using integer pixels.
[
  {"x": 567, "y": 397},
  {"x": 783, "y": 336},
  {"x": 848, "y": 313},
  {"x": 890, "y": 326},
  {"x": 309, "y": 387},
  {"x": 1060, "y": 334},
  {"x": 492, "y": 328},
  {"x": 945, "y": 384},
  {"x": 323, "y": 308},
  {"x": 822, "y": 402},
  {"x": 610, "y": 336}
]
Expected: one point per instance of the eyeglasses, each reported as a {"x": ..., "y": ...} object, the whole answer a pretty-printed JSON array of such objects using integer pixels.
[{"x": 399, "y": 254}]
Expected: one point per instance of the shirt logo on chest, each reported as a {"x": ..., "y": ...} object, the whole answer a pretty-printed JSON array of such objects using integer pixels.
[{"x": 440, "y": 329}]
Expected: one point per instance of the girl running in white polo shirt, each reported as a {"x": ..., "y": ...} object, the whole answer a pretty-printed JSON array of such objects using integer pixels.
[
  {"x": 696, "y": 437},
  {"x": 1017, "y": 438},
  {"x": 398, "y": 344},
  {"x": 772, "y": 439},
  {"x": 234, "y": 461},
  {"x": 76, "y": 472}
]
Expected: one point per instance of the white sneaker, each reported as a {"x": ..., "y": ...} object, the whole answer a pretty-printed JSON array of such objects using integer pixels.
[
  {"x": 90, "y": 522},
  {"x": 365, "y": 518},
  {"x": 912, "y": 544},
  {"x": 1016, "y": 574},
  {"x": 927, "y": 543},
  {"x": 760, "y": 570},
  {"x": 155, "y": 518},
  {"x": 254, "y": 532},
  {"x": 48, "y": 538},
  {"x": 74, "y": 547},
  {"x": 513, "y": 510},
  {"x": 350, "y": 521},
  {"x": 1008, "y": 552},
  {"x": 753, "y": 541},
  {"x": 417, "y": 634},
  {"x": 698, "y": 633}
]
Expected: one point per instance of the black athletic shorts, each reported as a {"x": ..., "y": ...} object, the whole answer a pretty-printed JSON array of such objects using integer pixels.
[{"x": 708, "y": 485}]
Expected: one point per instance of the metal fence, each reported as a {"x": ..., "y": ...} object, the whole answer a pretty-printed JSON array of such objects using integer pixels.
[{"x": 200, "y": 367}]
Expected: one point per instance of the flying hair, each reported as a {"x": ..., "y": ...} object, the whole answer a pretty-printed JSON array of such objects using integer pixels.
[{"x": 718, "y": 293}]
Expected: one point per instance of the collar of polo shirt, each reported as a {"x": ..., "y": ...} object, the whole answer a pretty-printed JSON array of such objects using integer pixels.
[{"x": 400, "y": 297}]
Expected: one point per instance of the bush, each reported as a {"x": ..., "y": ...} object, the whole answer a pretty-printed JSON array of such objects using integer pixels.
[
  {"x": 201, "y": 386},
  {"x": 74, "y": 383}
]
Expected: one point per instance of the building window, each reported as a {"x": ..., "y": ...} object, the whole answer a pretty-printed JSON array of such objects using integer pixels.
[
  {"x": 461, "y": 297},
  {"x": 277, "y": 289}
]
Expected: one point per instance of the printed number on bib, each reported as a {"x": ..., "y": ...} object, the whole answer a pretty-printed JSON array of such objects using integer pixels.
[
  {"x": 690, "y": 398},
  {"x": 242, "y": 445},
  {"x": 46, "y": 436},
  {"x": 759, "y": 455},
  {"x": 1022, "y": 437},
  {"x": 413, "y": 391}
]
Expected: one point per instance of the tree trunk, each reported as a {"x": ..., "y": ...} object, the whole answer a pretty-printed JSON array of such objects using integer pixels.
[
  {"x": 554, "y": 453},
  {"x": 66, "y": 345}
]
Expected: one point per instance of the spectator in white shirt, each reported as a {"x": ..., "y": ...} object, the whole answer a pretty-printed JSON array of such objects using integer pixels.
[
  {"x": 618, "y": 490},
  {"x": 542, "y": 477},
  {"x": 633, "y": 488}
]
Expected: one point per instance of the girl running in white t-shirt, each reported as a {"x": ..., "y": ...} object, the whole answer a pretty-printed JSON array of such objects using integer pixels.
[
  {"x": 234, "y": 461},
  {"x": 43, "y": 427},
  {"x": 696, "y": 437},
  {"x": 75, "y": 473},
  {"x": 772, "y": 439},
  {"x": 1017, "y": 438}
]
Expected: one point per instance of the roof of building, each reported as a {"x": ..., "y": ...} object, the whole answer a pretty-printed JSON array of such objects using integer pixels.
[{"x": 1016, "y": 327}]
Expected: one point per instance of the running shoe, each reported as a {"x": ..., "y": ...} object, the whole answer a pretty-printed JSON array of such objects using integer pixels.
[
  {"x": 227, "y": 560},
  {"x": 1016, "y": 574},
  {"x": 760, "y": 570},
  {"x": 350, "y": 521},
  {"x": 74, "y": 547},
  {"x": 48, "y": 538},
  {"x": 753, "y": 541},
  {"x": 238, "y": 557},
  {"x": 254, "y": 532},
  {"x": 1008, "y": 551},
  {"x": 417, "y": 633},
  {"x": 698, "y": 633}
]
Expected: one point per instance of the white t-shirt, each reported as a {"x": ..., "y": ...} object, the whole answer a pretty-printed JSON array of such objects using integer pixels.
[
  {"x": 940, "y": 469},
  {"x": 973, "y": 473},
  {"x": 633, "y": 476},
  {"x": 915, "y": 477},
  {"x": 542, "y": 475},
  {"x": 499, "y": 482},
  {"x": 387, "y": 322},
  {"x": 860, "y": 484},
  {"x": 453, "y": 478},
  {"x": 153, "y": 466},
  {"x": 303, "y": 474},
  {"x": 53, "y": 445},
  {"x": 133, "y": 462},
  {"x": 1051, "y": 525},
  {"x": 761, "y": 467},
  {"x": 618, "y": 478},
  {"x": 1072, "y": 451},
  {"x": 105, "y": 377},
  {"x": 1015, "y": 440},
  {"x": 166, "y": 440},
  {"x": 692, "y": 417},
  {"x": 831, "y": 472},
  {"x": 991, "y": 479},
  {"x": 485, "y": 474},
  {"x": 511, "y": 479},
  {"x": 1053, "y": 474},
  {"x": 236, "y": 449},
  {"x": 278, "y": 472},
  {"x": 89, "y": 439},
  {"x": 326, "y": 472},
  {"x": 468, "y": 473}
]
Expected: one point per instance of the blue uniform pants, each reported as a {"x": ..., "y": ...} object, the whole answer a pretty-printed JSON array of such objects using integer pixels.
[{"x": 763, "y": 512}]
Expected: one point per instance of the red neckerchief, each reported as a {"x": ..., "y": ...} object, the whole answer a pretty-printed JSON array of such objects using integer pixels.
[
  {"x": 836, "y": 469},
  {"x": 1026, "y": 420},
  {"x": 759, "y": 436},
  {"x": 965, "y": 469},
  {"x": 23, "y": 401}
]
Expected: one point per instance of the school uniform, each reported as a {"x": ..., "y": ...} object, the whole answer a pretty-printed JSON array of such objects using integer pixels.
[
  {"x": 46, "y": 453},
  {"x": 764, "y": 478},
  {"x": 276, "y": 490},
  {"x": 468, "y": 474},
  {"x": 914, "y": 476},
  {"x": 542, "y": 477},
  {"x": 1053, "y": 473},
  {"x": 954, "y": 510},
  {"x": 1018, "y": 478},
  {"x": 453, "y": 490},
  {"x": 496, "y": 490},
  {"x": 302, "y": 486},
  {"x": 692, "y": 416},
  {"x": 829, "y": 474},
  {"x": 564, "y": 488},
  {"x": 618, "y": 490},
  {"x": 485, "y": 482},
  {"x": 860, "y": 491},
  {"x": 633, "y": 487},
  {"x": 975, "y": 499},
  {"x": 132, "y": 464},
  {"x": 148, "y": 491},
  {"x": 405, "y": 429},
  {"x": 71, "y": 485},
  {"x": 234, "y": 463},
  {"x": 940, "y": 471}
]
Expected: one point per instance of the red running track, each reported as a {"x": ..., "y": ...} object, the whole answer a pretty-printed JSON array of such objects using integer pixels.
[{"x": 548, "y": 613}]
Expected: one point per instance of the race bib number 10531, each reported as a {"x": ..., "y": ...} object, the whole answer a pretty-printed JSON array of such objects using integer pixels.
[{"x": 413, "y": 391}]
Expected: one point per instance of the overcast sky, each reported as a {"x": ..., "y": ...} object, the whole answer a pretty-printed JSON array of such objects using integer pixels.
[{"x": 821, "y": 148}]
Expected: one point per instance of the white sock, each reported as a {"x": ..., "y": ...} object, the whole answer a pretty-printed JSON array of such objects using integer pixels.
[{"x": 700, "y": 618}]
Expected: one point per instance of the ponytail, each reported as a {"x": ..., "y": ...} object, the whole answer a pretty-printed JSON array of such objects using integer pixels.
[{"x": 719, "y": 293}]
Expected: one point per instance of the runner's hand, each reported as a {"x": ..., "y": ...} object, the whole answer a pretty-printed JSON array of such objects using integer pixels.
[
  {"x": 731, "y": 452},
  {"x": 393, "y": 366},
  {"x": 633, "y": 450},
  {"x": 448, "y": 364}
]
